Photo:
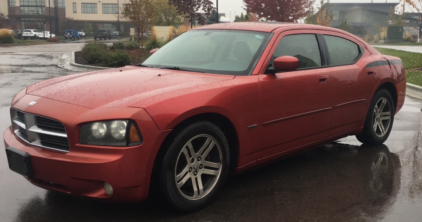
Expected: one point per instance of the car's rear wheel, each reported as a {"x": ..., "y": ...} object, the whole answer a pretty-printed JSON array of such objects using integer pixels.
[
  {"x": 379, "y": 119},
  {"x": 195, "y": 167}
]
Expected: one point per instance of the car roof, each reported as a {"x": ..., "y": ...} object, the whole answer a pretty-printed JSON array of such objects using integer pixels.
[{"x": 262, "y": 26}]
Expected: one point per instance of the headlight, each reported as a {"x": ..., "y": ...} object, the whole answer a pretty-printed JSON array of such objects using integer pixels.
[{"x": 110, "y": 133}]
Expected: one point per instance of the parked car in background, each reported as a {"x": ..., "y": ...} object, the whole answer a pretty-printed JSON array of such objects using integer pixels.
[
  {"x": 46, "y": 35},
  {"x": 81, "y": 34},
  {"x": 116, "y": 35},
  {"x": 102, "y": 34},
  {"x": 31, "y": 34},
  {"x": 186, "y": 118},
  {"x": 17, "y": 33},
  {"x": 71, "y": 34}
]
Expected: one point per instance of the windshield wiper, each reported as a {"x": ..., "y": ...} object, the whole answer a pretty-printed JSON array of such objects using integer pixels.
[{"x": 171, "y": 68}]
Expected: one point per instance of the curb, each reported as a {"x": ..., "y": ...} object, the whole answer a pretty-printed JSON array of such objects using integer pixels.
[
  {"x": 413, "y": 90},
  {"x": 73, "y": 63}
]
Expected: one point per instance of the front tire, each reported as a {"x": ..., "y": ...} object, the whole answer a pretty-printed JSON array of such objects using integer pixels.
[
  {"x": 379, "y": 120},
  {"x": 195, "y": 167}
]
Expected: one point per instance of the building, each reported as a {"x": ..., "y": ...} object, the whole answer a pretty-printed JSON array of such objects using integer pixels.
[
  {"x": 57, "y": 15},
  {"x": 365, "y": 18}
]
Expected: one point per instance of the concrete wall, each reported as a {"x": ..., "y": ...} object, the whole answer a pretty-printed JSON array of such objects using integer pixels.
[
  {"x": 3, "y": 7},
  {"x": 162, "y": 32}
]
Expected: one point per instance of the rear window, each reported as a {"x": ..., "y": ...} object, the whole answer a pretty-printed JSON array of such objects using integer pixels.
[{"x": 342, "y": 51}]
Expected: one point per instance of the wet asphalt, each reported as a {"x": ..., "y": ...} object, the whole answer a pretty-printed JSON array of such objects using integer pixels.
[{"x": 340, "y": 181}]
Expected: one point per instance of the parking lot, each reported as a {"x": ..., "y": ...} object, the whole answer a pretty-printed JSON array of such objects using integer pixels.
[{"x": 341, "y": 181}]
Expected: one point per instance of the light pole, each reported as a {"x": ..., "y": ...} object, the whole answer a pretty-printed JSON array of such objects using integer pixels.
[
  {"x": 218, "y": 15},
  {"x": 118, "y": 16},
  {"x": 49, "y": 15}
]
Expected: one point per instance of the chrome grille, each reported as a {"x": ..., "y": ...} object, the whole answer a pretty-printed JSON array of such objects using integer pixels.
[{"x": 40, "y": 131}]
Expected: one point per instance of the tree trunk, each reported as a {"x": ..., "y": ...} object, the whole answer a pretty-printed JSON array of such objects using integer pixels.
[
  {"x": 142, "y": 44},
  {"x": 139, "y": 39}
]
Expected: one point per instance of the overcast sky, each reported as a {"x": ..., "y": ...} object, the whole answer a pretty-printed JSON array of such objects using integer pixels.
[{"x": 237, "y": 6}]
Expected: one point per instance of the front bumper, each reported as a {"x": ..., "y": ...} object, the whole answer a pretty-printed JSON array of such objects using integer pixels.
[{"x": 84, "y": 169}]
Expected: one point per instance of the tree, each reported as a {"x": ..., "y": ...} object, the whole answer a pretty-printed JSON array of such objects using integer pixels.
[
  {"x": 88, "y": 28},
  {"x": 191, "y": 9},
  {"x": 166, "y": 14},
  {"x": 212, "y": 18},
  {"x": 396, "y": 19},
  {"x": 344, "y": 25},
  {"x": 279, "y": 10},
  {"x": 241, "y": 18},
  {"x": 141, "y": 14},
  {"x": 322, "y": 17}
]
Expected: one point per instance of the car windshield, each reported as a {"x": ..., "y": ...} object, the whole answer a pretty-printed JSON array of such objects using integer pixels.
[{"x": 211, "y": 51}]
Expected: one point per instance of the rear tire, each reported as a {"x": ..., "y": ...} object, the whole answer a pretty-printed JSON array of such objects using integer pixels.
[
  {"x": 195, "y": 167},
  {"x": 379, "y": 120}
]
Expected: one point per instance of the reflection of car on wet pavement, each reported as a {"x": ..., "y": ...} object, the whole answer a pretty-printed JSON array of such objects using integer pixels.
[{"x": 187, "y": 117}]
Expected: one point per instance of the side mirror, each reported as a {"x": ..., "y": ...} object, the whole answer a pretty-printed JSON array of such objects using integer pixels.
[
  {"x": 286, "y": 63},
  {"x": 154, "y": 51}
]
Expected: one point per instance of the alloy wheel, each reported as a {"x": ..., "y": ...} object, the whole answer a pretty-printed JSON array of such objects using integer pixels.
[
  {"x": 382, "y": 117},
  {"x": 198, "y": 167}
]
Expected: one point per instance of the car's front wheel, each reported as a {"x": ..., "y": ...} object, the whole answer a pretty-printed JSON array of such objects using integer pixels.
[
  {"x": 379, "y": 119},
  {"x": 195, "y": 167}
]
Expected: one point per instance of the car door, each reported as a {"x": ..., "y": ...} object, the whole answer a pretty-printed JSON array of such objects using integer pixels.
[
  {"x": 295, "y": 105},
  {"x": 352, "y": 82}
]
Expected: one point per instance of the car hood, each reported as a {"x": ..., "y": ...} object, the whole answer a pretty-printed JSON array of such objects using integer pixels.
[{"x": 121, "y": 87}]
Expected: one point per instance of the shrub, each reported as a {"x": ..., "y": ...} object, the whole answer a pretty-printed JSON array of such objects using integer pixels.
[
  {"x": 6, "y": 36},
  {"x": 118, "y": 45},
  {"x": 153, "y": 42},
  {"x": 376, "y": 38},
  {"x": 132, "y": 46},
  {"x": 94, "y": 53},
  {"x": 55, "y": 39},
  {"x": 408, "y": 37},
  {"x": 117, "y": 59}
]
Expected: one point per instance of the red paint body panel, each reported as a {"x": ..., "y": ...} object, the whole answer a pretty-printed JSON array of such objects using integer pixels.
[{"x": 274, "y": 115}]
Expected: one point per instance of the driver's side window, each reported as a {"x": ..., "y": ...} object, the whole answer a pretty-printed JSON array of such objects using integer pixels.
[{"x": 303, "y": 46}]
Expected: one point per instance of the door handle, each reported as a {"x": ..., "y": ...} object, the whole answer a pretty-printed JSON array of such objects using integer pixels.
[
  {"x": 323, "y": 78},
  {"x": 372, "y": 72}
]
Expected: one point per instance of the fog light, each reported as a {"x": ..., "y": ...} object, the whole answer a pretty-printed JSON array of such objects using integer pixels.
[{"x": 108, "y": 189}]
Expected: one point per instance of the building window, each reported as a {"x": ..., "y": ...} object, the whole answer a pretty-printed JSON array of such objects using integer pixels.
[
  {"x": 74, "y": 8},
  {"x": 32, "y": 2},
  {"x": 109, "y": 27},
  {"x": 61, "y": 4},
  {"x": 89, "y": 8},
  {"x": 110, "y": 9},
  {"x": 335, "y": 15},
  {"x": 12, "y": 3},
  {"x": 32, "y": 10}
]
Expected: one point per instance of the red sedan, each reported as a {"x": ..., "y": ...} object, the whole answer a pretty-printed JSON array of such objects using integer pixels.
[{"x": 219, "y": 99}]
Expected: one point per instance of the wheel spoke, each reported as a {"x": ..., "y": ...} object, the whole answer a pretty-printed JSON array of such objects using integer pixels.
[
  {"x": 195, "y": 187},
  {"x": 204, "y": 146},
  {"x": 200, "y": 186},
  {"x": 191, "y": 150},
  {"x": 212, "y": 165},
  {"x": 210, "y": 172},
  {"x": 375, "y": 126},
  {"x": 183, "y": 181},
  {"x": 385, "y": 116},
  {"x": 381, "y": 126},
  {"x": 186, "y": 153},
  {"x": 181, "y": 174},
  {"x": 383, "y": 102},
  {"x": 208, "y": 149}
]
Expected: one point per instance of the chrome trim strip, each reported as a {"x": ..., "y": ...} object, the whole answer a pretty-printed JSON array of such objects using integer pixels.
[
  {"x": 296, "y": 116},
  {"x": 19, "y": 123},
  {"x": 36, "y": 129},
  {"x": 38, "y": 144},
  {"x": 351, "y": 102}
]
